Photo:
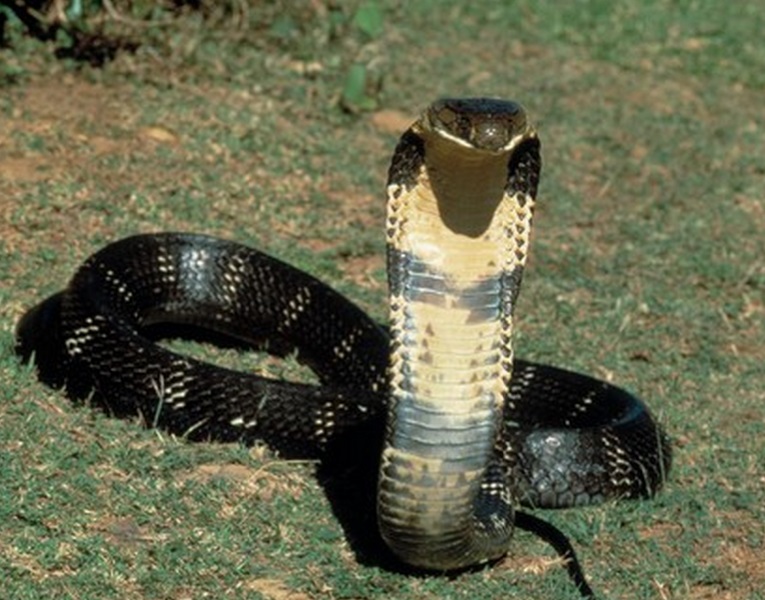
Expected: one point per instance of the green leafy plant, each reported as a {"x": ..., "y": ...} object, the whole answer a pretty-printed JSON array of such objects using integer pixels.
[{"x": 362, "y": 83}]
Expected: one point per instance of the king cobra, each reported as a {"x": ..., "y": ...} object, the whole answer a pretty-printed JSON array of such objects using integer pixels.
[{"x": 466, "y": 432}]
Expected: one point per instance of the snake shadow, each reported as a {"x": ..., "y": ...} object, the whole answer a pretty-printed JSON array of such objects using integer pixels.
[{"x": 348, "y": 476}]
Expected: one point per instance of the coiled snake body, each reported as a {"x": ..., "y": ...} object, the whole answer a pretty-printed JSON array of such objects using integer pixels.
[{"x": 468, "y": 431}]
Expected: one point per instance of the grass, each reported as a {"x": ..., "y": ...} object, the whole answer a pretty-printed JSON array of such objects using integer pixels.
[{"x": 646, "y": 269}]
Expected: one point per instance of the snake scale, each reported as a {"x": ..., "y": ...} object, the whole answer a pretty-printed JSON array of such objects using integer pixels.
[{"x": 465, "y": 432}]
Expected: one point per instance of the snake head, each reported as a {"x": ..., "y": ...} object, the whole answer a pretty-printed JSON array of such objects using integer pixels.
[{"x": 487, "y": 124}]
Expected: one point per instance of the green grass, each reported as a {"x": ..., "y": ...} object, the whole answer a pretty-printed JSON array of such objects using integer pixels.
[{"x": 646, "y": 269}]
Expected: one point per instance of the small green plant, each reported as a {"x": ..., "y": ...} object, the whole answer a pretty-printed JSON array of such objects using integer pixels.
[{"x": 362, "y": 83}]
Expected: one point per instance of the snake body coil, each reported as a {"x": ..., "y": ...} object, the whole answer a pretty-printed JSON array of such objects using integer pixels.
[{"x": 467, "y": 431}]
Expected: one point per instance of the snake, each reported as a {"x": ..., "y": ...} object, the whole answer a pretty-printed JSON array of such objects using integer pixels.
[{"x": 464, "y": 431}]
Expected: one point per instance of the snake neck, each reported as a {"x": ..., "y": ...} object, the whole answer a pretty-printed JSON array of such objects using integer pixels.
[
  {"x": 455, "y": 266},
  {"x": 455, "y": 260}
]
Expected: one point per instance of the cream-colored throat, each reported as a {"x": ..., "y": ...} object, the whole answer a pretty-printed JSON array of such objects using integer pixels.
[{"x": 458, "y": 216}]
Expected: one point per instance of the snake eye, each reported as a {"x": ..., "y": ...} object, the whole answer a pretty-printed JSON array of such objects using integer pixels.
[
  {"x": 442, "y": 116},
  {"x": 447, "y": 116}
]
